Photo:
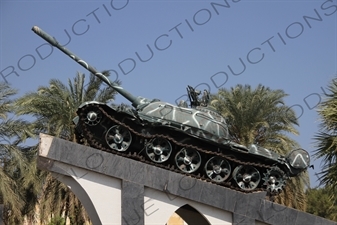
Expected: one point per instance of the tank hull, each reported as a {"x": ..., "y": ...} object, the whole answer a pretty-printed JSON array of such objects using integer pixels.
[{"x": 183, "y": 140}]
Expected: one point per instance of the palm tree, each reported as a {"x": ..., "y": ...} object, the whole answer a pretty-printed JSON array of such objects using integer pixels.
[
  {"x": 53, "y": 108},
  {"x": 15, "y": 168},
  {"x": 260, "y": 116},
  {"x": 321, "y": 204},
  {"x": 326, "y": 139}
]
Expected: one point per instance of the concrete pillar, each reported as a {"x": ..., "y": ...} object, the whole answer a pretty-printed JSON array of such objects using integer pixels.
[{"x": 132, "y": 203}]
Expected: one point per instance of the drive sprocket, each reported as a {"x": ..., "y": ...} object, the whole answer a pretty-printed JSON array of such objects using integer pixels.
[{"x": 274, "y": 180}]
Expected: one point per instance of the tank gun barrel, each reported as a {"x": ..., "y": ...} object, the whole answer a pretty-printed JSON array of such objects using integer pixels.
[{"x": 51, "y": 40}]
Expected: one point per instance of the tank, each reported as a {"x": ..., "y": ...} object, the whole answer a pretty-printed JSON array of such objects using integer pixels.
[{"x": 192, "y": 139}]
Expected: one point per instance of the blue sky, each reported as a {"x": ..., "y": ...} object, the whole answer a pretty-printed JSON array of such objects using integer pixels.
[{"x": 157, "y": 48}]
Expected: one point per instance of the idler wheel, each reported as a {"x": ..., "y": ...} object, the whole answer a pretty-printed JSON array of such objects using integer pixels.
[
  {"x": 246, "y": 177},
  {"x": 159, "y": 150},
  {"x": 188, "y": 160},
  {"x": 118, "y": 138},
  {"x": 93, "y": 118},
  {"x": 218, "y": 169}
]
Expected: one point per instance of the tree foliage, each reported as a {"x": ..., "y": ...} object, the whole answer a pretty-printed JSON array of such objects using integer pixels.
[
  {"x": 16, "y": 171},
  {"x": 326, "y": 138},
  {"x": 321, "y": 203},
  {"x": 53, "y": 108},
  {"x": 257, "y": 116}
]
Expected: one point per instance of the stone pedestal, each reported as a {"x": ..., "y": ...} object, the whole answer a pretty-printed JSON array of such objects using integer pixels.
[{"x": 118, "y": 190}]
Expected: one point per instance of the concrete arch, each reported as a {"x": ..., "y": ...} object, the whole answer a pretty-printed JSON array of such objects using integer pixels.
[
  {"x": 81, "y": 194},
  {"x": 161, "y": 206},
  {"x": 192, "y": 216},
  {"x": 99, "y": 194}
]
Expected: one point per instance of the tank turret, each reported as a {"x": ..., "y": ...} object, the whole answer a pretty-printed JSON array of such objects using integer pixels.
[{"x": 192, "y": 140}]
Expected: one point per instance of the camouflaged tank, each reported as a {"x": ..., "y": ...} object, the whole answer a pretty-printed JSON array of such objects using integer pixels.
[{"x": 190, "y": 139}]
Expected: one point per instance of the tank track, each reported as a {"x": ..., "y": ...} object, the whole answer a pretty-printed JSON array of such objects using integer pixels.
[{"x": 139, "y": 156}]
